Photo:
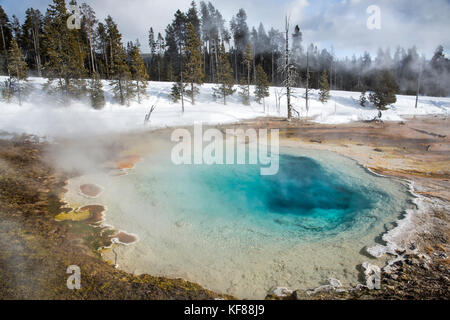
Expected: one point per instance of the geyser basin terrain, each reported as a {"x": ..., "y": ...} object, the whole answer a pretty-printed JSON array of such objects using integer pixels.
[{"x": 234, "y": 231}]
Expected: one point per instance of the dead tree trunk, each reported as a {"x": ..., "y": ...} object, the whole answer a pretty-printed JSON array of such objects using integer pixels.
[
  {"x": 36, "y": 51},
  {"x": 418, "y": 87},
  {"x": 288, "y": 73},
  {"x": 307, "y": 82}
]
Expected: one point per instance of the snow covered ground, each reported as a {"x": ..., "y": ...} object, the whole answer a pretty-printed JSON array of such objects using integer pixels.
[{"x": 43, "y": 116}]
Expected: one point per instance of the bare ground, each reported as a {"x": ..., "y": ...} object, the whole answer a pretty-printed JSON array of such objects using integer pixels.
[{"x": 35, "y": 250}]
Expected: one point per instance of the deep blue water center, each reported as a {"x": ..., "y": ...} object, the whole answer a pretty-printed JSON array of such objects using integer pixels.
[{"x": 304, "y": 197}]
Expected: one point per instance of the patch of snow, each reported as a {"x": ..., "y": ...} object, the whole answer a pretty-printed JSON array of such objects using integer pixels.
[{"x": 43, "y": 115}]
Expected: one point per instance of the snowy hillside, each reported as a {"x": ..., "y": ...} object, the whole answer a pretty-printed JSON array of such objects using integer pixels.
[{"x": 41, "y": 115}]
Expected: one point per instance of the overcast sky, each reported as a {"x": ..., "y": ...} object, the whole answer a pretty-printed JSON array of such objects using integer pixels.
[{"x": 337, "y": 24}]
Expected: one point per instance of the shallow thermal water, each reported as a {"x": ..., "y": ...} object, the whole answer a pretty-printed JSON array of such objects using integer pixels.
[{"x": 234, "y": 231}]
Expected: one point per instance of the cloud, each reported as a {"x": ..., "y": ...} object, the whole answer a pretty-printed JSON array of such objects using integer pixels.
[
  {"x": 297, "y": 8},
  {"x": 403, "y": 22},
  {"x": 337, "y": 23}
]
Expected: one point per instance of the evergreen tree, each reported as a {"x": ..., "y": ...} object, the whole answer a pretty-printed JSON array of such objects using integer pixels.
[
  {"x": 297, "y": 50},
  {"x": 16, "y": 28},
  {"x": 119, "y": 71},
  {"x": 160, "y": 50},
  {"x": 101, "y": 45},
  {"x": 245, "y": 88},
  {"x": 193, "y": 62},
  {"x": 192, "y": 17},
  {"x": 324, "y": 93},
  {"x": 152, "y": 43},
  {"x": 65, "y": 54},
  {"x": 6, "y": 34},
  {"x": 96, "y": 93},
  {"x": 262, "y": 85},
  {"x": 121, "y": 77},
  {"x": 363, "y": 99},
  {"x": 384, "y": 89},
  {"x": 169, "y": 72},
  {"x": 138, "y": 73},
  {"x": 225, "y": 84},
  {"x": 240, "y": 30},
  {"x": 88, "y": 23},
  {"x": 17, "y": 70},
  {"x": 178, "y": 90},
  {"x": 7, "y": 91},
  {"x": 244, "y": 92},
  {"x": 31, "y": 39}
]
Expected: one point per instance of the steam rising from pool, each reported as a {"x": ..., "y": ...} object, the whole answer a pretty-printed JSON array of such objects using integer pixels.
[{"x": 232, "y": 230}]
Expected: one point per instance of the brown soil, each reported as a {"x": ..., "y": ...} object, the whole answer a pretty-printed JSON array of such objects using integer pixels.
[
  {"x": 125, "y": 237},
  {"x": 96, "y": 213},
  {"x": 90, "y": 190}
]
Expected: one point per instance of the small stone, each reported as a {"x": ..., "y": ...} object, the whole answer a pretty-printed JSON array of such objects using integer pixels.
[
  {"x": 424, "y": 266},
  {"x": 334, "y": 283},
  {"x": 280, "y": 292},
  {"x": 321, "y": 289},
  {"x": 373, "y": 276}
]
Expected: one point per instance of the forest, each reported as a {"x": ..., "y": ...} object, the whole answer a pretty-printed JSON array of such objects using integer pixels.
[{"x": 198, "y": 46}]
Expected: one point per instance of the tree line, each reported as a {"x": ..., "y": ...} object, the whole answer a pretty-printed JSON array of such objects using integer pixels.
[{"x": 199, "y": 46}]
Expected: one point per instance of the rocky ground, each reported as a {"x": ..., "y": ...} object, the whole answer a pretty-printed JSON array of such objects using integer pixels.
[{"x": 35, "y": 249}]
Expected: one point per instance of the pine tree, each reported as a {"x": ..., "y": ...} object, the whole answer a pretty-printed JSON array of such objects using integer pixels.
[
  {"x": 17, "y": 70},
  {"x": 178, "y": 90},
  {"x": 245, "y": 86},
  {"x": 7, "y": 91},
  {"x": 244, "y": 92},
  {"x": 262, "y": 85},
  {"x": 6, "y": 34},
  {"x": 169, "y": 72},
  {"x": 121, "y": 77},
  {"x": 96, "y": 93},
  {"x": 153, "y": 65},
  {"x": 362, "y": 99},
  {"x": 31, "y": 35},
  {"x": 65, "y": 53},
  {"x": 193, "y": 62},
  {"x": 138, "y": 73},
  {"x": 384, "y": 89},
  {"x": 225, "y": 79},
  {"x": 192, "y": 18},
  {"x": 103, "y": 62},
  {"x": 324, "y": 93},
  {"x": 119, "y": 71},
  {"x": 88, "y": 23}
]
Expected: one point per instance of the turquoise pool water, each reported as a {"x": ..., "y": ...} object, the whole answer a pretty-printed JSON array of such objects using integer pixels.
[
  {"x": 304, "y": 199},
  {"x": 234, "y": 231}
]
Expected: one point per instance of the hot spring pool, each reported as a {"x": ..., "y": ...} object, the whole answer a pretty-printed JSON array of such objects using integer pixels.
[{"x": 234, "y": 231}]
